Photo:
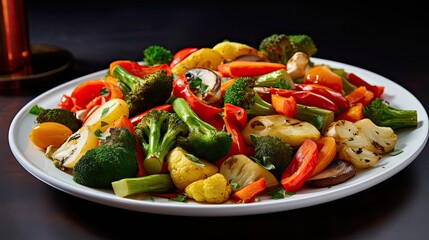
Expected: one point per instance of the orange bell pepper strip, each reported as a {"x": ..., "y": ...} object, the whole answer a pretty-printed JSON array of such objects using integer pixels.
[
  {"x": 87, "y": 91},
  {"x": 248, "y": 68},
  {"x": 327, "y": 148},
  {"x": 248, "y": 193},
  {"x": 124, "y": 121},
  {"x": 360, "y": 94},
  {"x": 357, "y": 81},
  {"x": 301, "y": 167},
  {"x": 303, "y": 97},
  {"x": 354, "y": 113},
  {"x": 284, "y": 105},
  {"x": 323, "y": 75}
]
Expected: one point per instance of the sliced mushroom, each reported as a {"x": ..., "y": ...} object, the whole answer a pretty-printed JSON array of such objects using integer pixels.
[
  {"x": 298, "y": 65},
  {"x": 335, "y": 173},
  {"x": 205, "y": 84}
]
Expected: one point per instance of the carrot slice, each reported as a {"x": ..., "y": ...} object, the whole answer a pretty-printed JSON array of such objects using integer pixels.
[{"x": 248, "y": 193}]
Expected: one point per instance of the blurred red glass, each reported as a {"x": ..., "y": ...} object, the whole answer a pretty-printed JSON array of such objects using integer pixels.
[{"x": 14, "y": 43}]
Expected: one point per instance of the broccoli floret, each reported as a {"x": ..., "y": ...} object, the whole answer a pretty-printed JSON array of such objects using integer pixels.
[
  {"x": 204, "y": 140},
  {"x": 385, "y": 115},
  {"x": 242, "y": 93},
  {"x": 59, "y": 115},
  {"x": 273, "y": 153},
  {"x": 106, "y": 163},
  {"x": 277, "y": 48},
  {"x": 303, "y": 43},
  {"x": 144, "y": 93},
  {"x": 119, "y": 136},
  {"x": 155, "y": 54},
  {"x": 157, "y": 132}
]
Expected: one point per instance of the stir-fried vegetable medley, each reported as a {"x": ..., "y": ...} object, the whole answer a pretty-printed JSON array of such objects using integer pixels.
[{"x": 228, "y": 123}]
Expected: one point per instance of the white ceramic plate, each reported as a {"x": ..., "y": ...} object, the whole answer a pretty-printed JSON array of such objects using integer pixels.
[{"x": 411, "y": 141}]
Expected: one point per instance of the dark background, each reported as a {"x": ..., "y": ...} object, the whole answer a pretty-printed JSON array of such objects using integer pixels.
[{"x": 388, "y": 40}]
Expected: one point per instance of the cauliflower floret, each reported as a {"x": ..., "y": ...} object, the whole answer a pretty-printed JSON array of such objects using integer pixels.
[
  {"x": 184, "y": 169},
  {"x": 214, "y": 189},
  {"x": 362, "y": 143}
]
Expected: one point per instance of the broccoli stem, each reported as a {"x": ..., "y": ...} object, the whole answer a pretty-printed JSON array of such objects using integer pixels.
[
  {"x": 126, "y": 79},
  {"x": 278, "y": 79},
  {"x": 153, "y": 161},
  {"x": 260, "y": 107},
  {"x": 156, "y": 183},
  {"x": 319, "y": 117},
  {"x": 157, "y": 132},
  {"x": 204, "y": 140},
  {"x": 194, "y": 122}
]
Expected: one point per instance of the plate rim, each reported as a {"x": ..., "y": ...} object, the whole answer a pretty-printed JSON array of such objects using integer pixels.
[{"x": 165, "y": 207}]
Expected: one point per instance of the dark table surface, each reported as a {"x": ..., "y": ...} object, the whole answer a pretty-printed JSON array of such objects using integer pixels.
[{"x": 374, "y": 38}]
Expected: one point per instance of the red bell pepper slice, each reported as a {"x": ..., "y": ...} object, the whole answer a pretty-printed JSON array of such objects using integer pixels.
[
  {"x": 304, "y": 97},
  {"x": 180, "y": 55},
  {"x": 334, "y": 96},
  {"x": 235, "y": 119},
  {"x": 136, "y": 119},
  {"x": 210, "y": 114},
  {"x": 357, "y": 81},
  {"x": 137, "y": 69},
  {"x": 66, "y": 102},
  {"x": 301, "y": 167}
]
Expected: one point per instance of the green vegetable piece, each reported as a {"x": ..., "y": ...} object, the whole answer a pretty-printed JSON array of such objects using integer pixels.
[
  {"x": 204, "y": 140},
  {"x": 157, "y": 132},
  {"x": 142, "y": 94},
  {"x": 319, "y": 117},
  {"x": 242, "y": 94},
  {"x": 59, "y": 115},
  {"x": 272, "y": 151},
  {"x": 277, "y": 48},
  {"x": 156, "y": 54},
  {"x": 383, "y": 114},
  {"x": 303, "y": 43},
  {"x": 154, "y": 183},
  {"x": 110, "y": 161},
  {"x": 277, "y": 79}
]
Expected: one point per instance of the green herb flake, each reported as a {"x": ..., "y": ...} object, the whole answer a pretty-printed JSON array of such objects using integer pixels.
[
  {"x": 197, "y": 83},
  {"x": 179, "y": 198},
  {"x": 100, "y": 135},
  {"x": 104, "y": 92},
  {"x": 280, "y": 193},
  {"x": 36, "y": 109},
  {"x": 103, "y": 123},
  {"x": 106, "y": 111},
  {"x": 396, "y": 152}
]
